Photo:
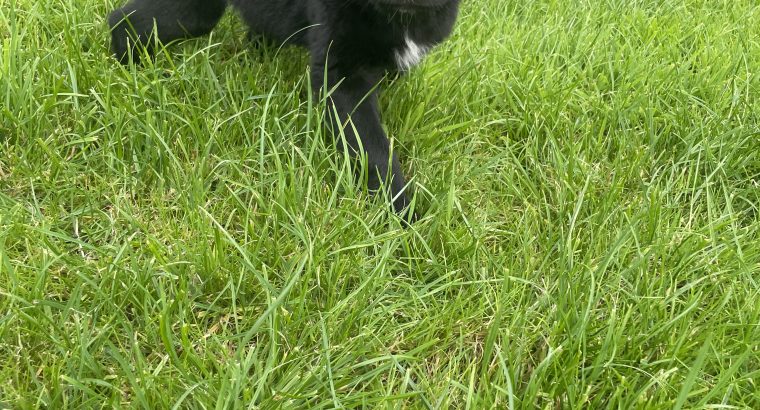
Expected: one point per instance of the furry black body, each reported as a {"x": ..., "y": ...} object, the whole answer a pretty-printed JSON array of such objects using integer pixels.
[{"x": 352, "y": 44}]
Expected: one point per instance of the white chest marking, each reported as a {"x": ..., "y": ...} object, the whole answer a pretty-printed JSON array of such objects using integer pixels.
[{"x": 410, "y": 55}]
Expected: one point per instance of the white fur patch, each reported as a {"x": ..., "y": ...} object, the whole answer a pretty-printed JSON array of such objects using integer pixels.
[{"x": 411, "y": 55}]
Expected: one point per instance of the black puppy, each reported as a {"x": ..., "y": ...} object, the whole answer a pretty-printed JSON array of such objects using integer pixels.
[{"x": 352, "y": 44}]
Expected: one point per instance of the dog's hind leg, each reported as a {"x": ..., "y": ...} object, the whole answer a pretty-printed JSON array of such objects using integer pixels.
[{"x": 132, "y": 26}]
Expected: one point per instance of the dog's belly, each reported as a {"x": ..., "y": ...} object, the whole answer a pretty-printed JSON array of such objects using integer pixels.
[
  {"x": 378, "y": 44},
  {"x": 354, "y": 35},
  {"x": 284, "y": 21}
]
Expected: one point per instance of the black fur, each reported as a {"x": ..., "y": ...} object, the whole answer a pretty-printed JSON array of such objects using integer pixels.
[{"x": 356, "y": 41}]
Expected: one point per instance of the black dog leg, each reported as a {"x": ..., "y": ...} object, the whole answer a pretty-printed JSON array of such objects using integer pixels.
[
  {"x": 132, "y": 25},
  {"x": 355, "y": 103}
]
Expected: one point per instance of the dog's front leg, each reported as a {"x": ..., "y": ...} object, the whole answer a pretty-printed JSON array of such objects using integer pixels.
[{"x": 352, "y": 106}]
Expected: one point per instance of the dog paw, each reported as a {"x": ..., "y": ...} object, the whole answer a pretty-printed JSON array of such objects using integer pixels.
[{"x": 402, "y": 207}]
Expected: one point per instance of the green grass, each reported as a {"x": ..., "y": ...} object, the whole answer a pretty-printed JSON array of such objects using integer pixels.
[{"x": 183, "y": 234}]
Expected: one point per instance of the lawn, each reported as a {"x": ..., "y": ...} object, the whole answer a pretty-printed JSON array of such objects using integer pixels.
[{"x": 183, "y": 234}]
